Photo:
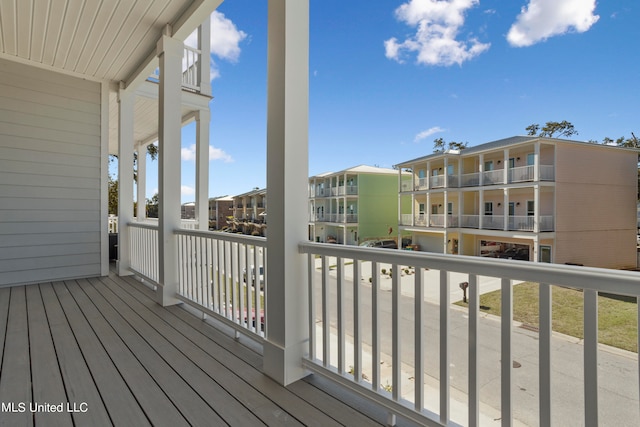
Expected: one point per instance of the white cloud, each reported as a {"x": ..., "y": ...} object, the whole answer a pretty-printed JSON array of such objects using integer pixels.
[
  {"x": 438, "y": 24},
  {"x": 187, "y": 191},
  {"x": 542, "y": 19},
  {"x": 225, "y": 41},
  {"x": 189, "y": 154},
  {"x": 426, "y": 133}
]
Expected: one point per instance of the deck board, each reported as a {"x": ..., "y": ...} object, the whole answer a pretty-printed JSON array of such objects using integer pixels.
[
  {"x": 105, "y": 342},
  {"x": 45, "y": 372},
  {"x": 79, "y": 384},
  {"x": 15, "y": 379}
]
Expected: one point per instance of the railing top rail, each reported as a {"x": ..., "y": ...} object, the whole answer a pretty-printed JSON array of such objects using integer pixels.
[
  {"x": 148, "y": 225},
  {"x": 228, "y": 237},
  {"x": 599, "y": 279}
]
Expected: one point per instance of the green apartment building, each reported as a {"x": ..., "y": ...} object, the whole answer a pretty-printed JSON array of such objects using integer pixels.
[{"x": 354, "y": 205}]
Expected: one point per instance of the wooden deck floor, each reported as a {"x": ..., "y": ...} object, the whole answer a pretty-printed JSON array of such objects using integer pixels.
[{"x": 103, "y": 352}]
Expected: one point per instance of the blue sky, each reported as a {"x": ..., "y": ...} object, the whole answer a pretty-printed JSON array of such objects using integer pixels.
[{"x": 388, "y": 77}]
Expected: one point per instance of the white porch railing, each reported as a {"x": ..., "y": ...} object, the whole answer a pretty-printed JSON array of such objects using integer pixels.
[
  {"x": 225, "y": 275},
  {"x": 493, "y": 222},
  {"x": 521, "y": 174},
  {"x": 436, "y": 181},
  {"x": 143, "y": 246},
  {"x": 190, "y": 69},
  {"x": 470, "y": 179},
  {"x": 470, "y": 221},
  {"x": 493, "y": 177},
  {"x": 388, "y": 364},
  {"x": 547, "y": 173},
  {"x": 405, "y": 219},
  {"x": 422, "y": 183}
]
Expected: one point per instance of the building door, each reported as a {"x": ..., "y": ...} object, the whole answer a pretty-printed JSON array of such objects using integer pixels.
[{"x": 545, "y": 253}]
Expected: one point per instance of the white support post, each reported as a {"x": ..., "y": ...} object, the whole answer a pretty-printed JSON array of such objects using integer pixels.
[
  {"x": 204, "y": 45},
  {"x": 202, "y": 169},
  {"x": 141, "y": 211},
  {"x": 505, "y": 165},
  {"x": 536, "y": 162},
  {"x": 169, "y": 141},
  {"x": 505, "y": 208},
  {"x": 126, "y": 100},
  {"x": 286, "y": 342}
]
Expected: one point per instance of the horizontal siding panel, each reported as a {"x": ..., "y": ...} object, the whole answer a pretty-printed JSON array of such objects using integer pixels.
[
  {"x": 18, "y": 241},
  {"x": 47, "y": 169},
  {"x": 69, "y": 104},
  {"x": 47, "y": 227},
  {"x": 14, "y": 129},
  {"x": 51, "y": 83},
  {"x": 48, "y": 274},
  {"x": 39, "y": 108},
  {"x": 30, "y": 180},
  {"x": 43, "y": 263},
  {"x": 50, "y": 123},
  {"x": 48, "y": 251},
  {"x": 56, "y": 159},
  {"x": 48, "y": 146},
  {"x": 43, "y": 215},
  {"x": 49, "y": 192},
  {"x": 18, "y": 203}
]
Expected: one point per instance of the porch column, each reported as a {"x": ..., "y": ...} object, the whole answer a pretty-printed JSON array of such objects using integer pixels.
[
  {"x": 287, "y": 340},
  {"x": 481, "y": 170},
  {"x": 536, "y": 209},
  {"x": 126, "y": 101},
  {"x": 480, "y": 208},
  {"x": 506, "y": 166},
  {"x": 202, "y": 169},
  {"x": 505, "y": 203},
  {"x": 536, "y": 161},
  {"x": 141, "y": 211},
  {"x": 169, "y": 141}
]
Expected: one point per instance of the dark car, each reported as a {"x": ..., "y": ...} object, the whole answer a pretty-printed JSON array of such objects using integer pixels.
[
  {"x": 385, "y": 243},
  {"x": 521, "y": 254}
]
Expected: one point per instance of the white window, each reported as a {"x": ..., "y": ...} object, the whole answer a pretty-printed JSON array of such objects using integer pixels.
[
  {"x": 488, "y": 165},
  {"x": 531, "y": 208},
  {"x": 531, "y": 159}
]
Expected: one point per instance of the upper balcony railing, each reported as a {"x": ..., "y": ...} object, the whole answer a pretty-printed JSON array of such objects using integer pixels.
[
  {"x": 190, "y": 69},
  {"x": 489, "y": 222}
]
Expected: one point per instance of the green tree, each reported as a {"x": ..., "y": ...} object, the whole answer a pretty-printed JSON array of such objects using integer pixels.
[
  {"x": 152, "y": 206},
  {"x": 152, "y": 151},
  {"x": 552, "y": 129},
  {"x": 440, "y": 145},
  {"x": 113, "y": 196}
]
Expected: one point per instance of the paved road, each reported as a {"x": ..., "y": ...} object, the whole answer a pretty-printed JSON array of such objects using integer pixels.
[{"x": 618, "y": 376}]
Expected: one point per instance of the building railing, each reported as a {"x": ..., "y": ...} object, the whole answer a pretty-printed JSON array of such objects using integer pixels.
[
  {"x": 341, "y": 310},
  {"x": 493, "y": 177},
  {"x": 547, "y": 173},
  {"x": 521, "y": 174},
  {"x": 143, "y": 247},
  {"x": 489, "y": 222},
  {"x": 190, "y": 69},
  {"x": 436, "y": 181},
  {"x": 224, "y": 275},
  {"x": 470, "y": 221},
  {"x": 470, "y": 179},
  {"x": 493, "y": 222},
  {"x": 406, "y": 219},
  {"x": 422, "y": 183}
]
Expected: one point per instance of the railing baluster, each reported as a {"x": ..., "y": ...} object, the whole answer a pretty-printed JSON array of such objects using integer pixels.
[
  {"x": 340, "y": 313},
  {"x": 506, "y": 327},
  {"x": 259, "y": 308},
  {"x": 357, "y": 330},
  {"x": 396, "y": 366},
  {"x": 590, "y": 357},
  {"x": 474, "y": 314},
  {"x": 418, "y": 342},
  {"x": 251, "y": 322},
  {"x": 326, "y": 321},
  {"x": 444, "y": 347},
  {"x": 375, "y": 328},
  {"x": 312, "y": 306},
  {"x": 545, "y": 353}
]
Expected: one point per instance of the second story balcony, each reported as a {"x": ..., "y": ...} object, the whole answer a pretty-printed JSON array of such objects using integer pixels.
[{"x": 489, "y": 222}]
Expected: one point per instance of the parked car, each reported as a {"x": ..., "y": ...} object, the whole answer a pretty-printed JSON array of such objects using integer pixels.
[
  {"x": 385, "y": 243},
  {"x": 253, "y": 276},
  {"x": 515, "y": 253}
]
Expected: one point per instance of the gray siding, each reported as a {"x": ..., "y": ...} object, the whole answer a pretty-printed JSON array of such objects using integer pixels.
[{"x": 49, "y": 175}]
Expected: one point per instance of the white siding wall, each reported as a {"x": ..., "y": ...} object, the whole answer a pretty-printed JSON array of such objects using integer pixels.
[{"x": 50, "y": 173}]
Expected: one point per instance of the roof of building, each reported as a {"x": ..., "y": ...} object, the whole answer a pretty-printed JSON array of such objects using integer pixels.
[
  {"x": 359, "y": 170},
  {"x": 501, "y": 143}
]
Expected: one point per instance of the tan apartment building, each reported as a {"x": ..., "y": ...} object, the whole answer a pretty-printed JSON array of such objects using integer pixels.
[
  {"x": 528, "y": 198},
  {"x": 220, "y": 211},
  {"x": 249, "y": 212}
]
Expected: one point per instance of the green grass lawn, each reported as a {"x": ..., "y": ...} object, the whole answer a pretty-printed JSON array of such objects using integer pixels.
[{"x": 617, "y": 315}]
